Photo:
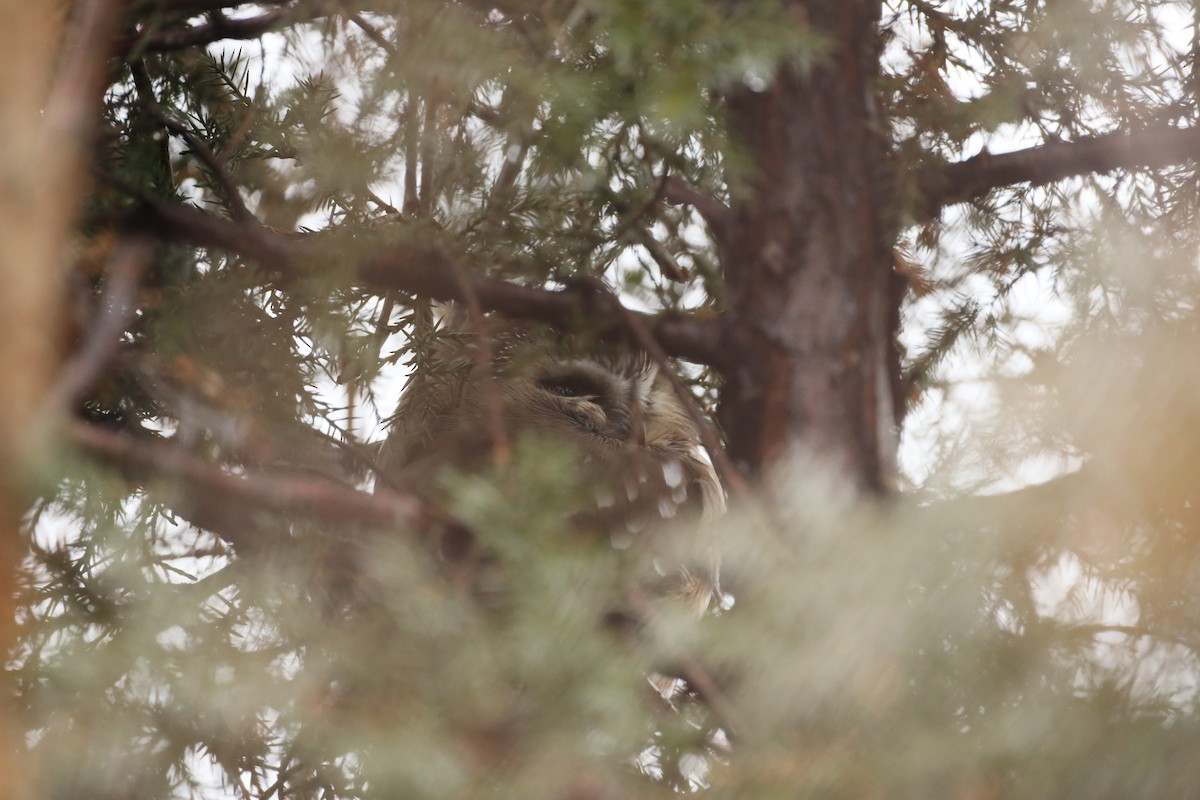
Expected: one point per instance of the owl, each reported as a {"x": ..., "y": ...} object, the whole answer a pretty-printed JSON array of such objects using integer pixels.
[{"x": 637, "y": 446}]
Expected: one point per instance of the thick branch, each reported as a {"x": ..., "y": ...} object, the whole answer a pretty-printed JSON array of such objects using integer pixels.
[
  {"x": 227, "y": 504},
  {"x": 958, "y": 182},
  {"x": 200, "y": 6},
  {"x": 220, "y": 29},
  {"x": 429, "y": 272}
]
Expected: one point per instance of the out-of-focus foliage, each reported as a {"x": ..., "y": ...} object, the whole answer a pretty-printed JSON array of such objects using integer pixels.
[{"x": 943, "y": 643}]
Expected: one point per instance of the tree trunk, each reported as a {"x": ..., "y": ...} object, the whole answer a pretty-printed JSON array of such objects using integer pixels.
[{"x": 808, "y": 261}]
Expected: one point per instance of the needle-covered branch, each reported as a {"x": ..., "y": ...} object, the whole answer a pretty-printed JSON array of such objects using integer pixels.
[
  {"x": 220, "y": 29},
  {"x": 962, "y": 181},
  {"x": 428, "y": 271}
]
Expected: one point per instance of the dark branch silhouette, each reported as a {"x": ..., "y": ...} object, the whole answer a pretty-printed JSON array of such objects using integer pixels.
[
  {"x": 428, "y": 271},
  {"x": 101, "y": 341},
  {"x": 220, "y": 29},
  {"x": 202, "y": 6},
  {"x": 200, "y": 149},
  {"x": 962, "y": 181},
  {"x": 676, "y": 191}
]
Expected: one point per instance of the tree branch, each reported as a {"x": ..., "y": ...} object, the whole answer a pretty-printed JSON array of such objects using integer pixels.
[
  {"x": 958, "y": 182},
  {"x": 667, "y": 264},
  {"x": 100, "y": 343},
  {"x": 676, "y": 191},
  {"x": 1089, "y": 631},
  {"x": 367, "y": 28},
  {"x": 228, "y": 504},
  {"x": 429, "y": 272},
  {"x": 200, "y": 149},
  {"x": 220, "y": 29},
  {"x": 198, "y": 6}
]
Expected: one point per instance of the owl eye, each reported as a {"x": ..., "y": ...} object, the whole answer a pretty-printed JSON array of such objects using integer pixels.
[{"x": 571, "y": 386}]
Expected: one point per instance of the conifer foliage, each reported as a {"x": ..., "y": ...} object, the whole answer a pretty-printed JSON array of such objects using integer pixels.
[{"x": 234, "y": 230}]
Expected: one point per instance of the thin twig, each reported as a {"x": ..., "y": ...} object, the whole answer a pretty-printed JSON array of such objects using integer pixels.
[
  {"x": 412, "y": 133},
  {"x": 428, "y": 143},
  {"x": 370, "y": 30},
  {"x": 1091, "y": 630},
  {"x": 100, "y": 343},
  {"x": 234, "y": 143},
  {"x": 510, "y": 170},
  {"x": 237, "y": 206},
  {"x": 385, "y": 205},
  {"x": 677, "y": 191},
  {"x": 730, "y": 476},
  {"x": 631, "y": 221},
  {"x": 667, "y": 264},
  {"x": 382, "y": 324},
  {"x": 363, "y": 454},
  {"x": 691, "y": 671},
  {"x": 513, "y": 163}
]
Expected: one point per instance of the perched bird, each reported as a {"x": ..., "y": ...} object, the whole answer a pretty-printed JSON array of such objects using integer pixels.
[{"x": 639, "y": 448}]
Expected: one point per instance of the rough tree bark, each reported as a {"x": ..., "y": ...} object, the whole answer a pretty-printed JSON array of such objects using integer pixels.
[{"x": 807, "y": 259}]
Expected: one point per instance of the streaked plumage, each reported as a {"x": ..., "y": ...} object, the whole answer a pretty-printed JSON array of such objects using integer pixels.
[{"x": 640, "y": 449}]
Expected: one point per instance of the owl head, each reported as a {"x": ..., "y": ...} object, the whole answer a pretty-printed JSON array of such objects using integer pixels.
[{"x": 613, "y": 406}]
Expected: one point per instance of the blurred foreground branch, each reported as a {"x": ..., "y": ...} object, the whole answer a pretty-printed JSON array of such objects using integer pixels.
[
  {"x": 221, "y": 28},
  {"x": 227, "y": 504},
  {"x": 50, "y": 93}
]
